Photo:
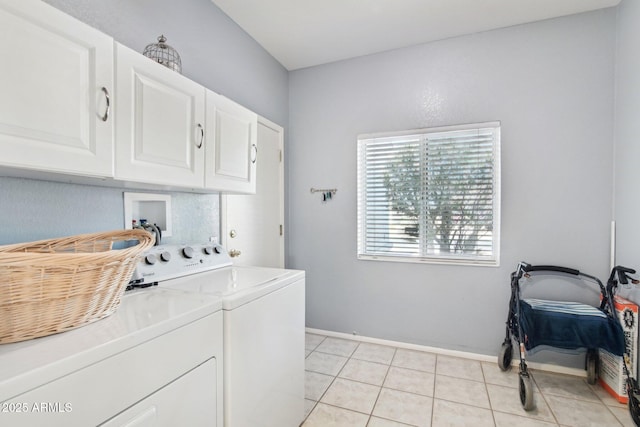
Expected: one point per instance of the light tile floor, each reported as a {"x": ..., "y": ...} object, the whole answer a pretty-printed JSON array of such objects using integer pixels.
[{"x": 356, "y": 384}]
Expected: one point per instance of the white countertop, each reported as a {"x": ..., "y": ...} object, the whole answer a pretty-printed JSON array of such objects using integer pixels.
[
  {"x": 236, "y": 285},
  {"x": 143, "y": 315}
]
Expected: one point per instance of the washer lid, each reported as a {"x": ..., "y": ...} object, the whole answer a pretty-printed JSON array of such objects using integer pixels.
[
  {"x": 236, "y": 285},
  {"x": 143, "y": 315}
]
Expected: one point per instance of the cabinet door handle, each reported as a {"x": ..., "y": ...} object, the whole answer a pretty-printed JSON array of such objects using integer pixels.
[
  {"x": 105, "y": 116},
  {"x": 199, "y": 144},
  {"x": 255, "y": 153}
]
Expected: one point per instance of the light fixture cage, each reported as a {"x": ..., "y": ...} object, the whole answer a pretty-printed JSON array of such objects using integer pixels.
[{"x": 164, "y": 54}]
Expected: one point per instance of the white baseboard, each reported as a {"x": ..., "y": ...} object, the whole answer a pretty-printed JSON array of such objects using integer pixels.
[{"x": 454, "y": 353}]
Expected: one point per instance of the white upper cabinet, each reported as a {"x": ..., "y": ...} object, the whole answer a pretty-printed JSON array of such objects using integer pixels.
[
  {"x": 231, "y": 146},
  {"x": 160, "y": 123},
  {"x": 56, "y": 84},
  {"x": 73, "y": 102}
]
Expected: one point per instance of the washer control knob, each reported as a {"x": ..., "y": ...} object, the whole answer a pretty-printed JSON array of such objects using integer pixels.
[
  {"x": 150, "y": 259},
  {"x": 208, "y": 250},
  {"x": 165, "y": 256},
  {"x": 187, "y": 251},
  {"x": 218, "y": 249}
]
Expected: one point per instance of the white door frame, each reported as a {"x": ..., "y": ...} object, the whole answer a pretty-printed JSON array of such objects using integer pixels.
[{"x": 223, "y": 198}]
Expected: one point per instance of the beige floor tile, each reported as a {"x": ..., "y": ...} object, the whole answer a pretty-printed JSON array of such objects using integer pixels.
[
  {"x": 337, "y": 346},
  {"x": 564, "y": 385},
  {"x": 412, "y": 359},
  {"x": 623, "y": 415},
  {"x": 311, "y": 341},
  {"x": 404, "y": 407},
  {"x": 451, "y": 414},
  {"x": 493, "y": 375},
  {"x": 374, "y": 353},
  {"x": 410, "y": 380},
  {"x": 324, "y": 363},
  {"x": 507, "y": 399},
  {"x": 606, "y": 398},
  {"x": 462, "y": 391},
  {"x": 327, "y": 415},
  {"x": 316, "y": 384},
  {"x": 381, "y": 422},
  {"x": 308, "y": 407},
  {"x": 510, "y": 420},
  {"x": 363, "y": 371},
  {"x": 459, "y": 368},
  {"x": 424, "y": 389},
  {"x": 351, "y": 395},
  {"x": 580, "y": 413}
]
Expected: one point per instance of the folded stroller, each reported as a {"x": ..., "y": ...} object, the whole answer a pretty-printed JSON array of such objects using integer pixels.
[{"x": 566, "y": 325}]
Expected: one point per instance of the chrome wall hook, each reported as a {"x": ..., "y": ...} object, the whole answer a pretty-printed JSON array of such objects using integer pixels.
[{"x": 327, "y": 193}]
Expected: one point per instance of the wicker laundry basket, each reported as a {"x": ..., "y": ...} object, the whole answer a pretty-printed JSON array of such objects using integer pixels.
[{"x": 54, "y": 285}]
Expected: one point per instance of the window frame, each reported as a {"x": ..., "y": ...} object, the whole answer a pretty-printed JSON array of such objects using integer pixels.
[{"x": 454, "y": 259}]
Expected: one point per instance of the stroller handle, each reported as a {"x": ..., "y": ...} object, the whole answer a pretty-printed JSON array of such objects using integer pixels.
[
  {"x": 622, "y": 274},
  {"x": 524, "y": 267},
  {"x": 529, "y": 268}
]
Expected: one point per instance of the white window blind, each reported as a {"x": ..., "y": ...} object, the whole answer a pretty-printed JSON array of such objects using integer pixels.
[{"x": 430, "y": 195}]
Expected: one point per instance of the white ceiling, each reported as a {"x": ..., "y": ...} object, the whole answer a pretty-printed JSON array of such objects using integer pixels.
[{"x": 303, "y": 33}]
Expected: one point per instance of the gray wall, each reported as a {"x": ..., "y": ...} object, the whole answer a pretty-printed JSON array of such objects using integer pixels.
[
  {"x": 627, "y": 148},
  {"x": 215, "y": 53},
  {"x": 550, "y": 84}
]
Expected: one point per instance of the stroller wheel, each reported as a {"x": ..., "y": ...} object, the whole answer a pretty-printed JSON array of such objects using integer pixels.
[
  {"x": 526, "y": 392},
  {"x": 634, "y": 411},
  {"x": 592, "y": 366},
  {"x": 634, "y": 404},
  {"x": 505, "y": 356}
]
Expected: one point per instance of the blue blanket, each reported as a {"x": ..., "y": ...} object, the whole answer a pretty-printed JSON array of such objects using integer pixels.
[{"x": 569, "y": 325}]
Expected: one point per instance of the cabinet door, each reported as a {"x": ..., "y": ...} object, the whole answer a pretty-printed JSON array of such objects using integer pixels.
[
  {"x": 231, "y": 146},
  {"x": 55, "y": 80},
  {"x": 160, "y": 116},
  {"x": 187, "y": 401}
]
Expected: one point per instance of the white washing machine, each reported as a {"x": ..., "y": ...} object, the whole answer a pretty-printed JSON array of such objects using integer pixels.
[
  {"x": 129, "y": 369},
  {"x": 264, "y": 326}
]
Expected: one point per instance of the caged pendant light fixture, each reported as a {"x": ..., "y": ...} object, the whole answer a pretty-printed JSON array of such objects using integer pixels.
[{"x": 164, "y": 54}]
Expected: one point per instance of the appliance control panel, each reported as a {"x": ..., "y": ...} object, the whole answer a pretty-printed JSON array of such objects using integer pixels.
[{"x": 166, "y": 262}]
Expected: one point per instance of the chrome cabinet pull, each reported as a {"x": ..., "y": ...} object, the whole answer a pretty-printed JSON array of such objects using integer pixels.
[
  {"x": 105, "y": 116},
  {"x": 199, "y": 144},
  {"x": 255, "y": 153}
]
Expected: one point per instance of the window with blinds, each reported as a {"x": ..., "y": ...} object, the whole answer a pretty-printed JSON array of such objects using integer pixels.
[{"x": 430, "y": 195}]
